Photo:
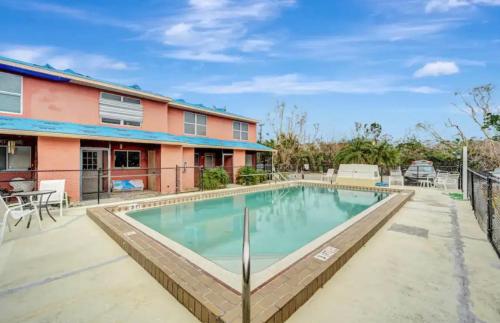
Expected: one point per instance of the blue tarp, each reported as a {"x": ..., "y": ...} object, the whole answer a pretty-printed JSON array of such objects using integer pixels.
[{"x": 92, "y": 131}]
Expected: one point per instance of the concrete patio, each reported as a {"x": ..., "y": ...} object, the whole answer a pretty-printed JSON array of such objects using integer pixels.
[{"x": 429, "y": 263}]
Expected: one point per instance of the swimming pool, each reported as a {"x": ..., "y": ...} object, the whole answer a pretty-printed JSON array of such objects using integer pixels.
[{"x": 282, "y": 222}]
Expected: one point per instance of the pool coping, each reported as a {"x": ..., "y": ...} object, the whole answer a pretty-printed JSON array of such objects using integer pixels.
[
  {"x": 209, "y": 299},
  {"x": 233, "y": 280}
]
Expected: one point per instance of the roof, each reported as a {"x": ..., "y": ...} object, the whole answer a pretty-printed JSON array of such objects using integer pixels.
[
  {"x": 67, "y": 75},
  {"x": 24, "y": 126}
]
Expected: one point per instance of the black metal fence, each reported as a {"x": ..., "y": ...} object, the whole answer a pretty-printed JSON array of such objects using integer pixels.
[
  {"x": 98, "y": 184},
  {"x": 484, "y": 194}
]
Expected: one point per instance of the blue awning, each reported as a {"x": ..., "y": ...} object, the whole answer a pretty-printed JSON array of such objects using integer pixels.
[{"x": 36, "y": 127}]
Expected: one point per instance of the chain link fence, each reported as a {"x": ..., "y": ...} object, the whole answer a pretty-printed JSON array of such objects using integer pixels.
[{"x": 484, "y": 194}]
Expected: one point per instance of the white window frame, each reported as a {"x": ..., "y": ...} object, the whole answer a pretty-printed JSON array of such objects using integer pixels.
[
  {"x": 121, "y": 121},
  {"x": 195, "y": 124},
  {"x": 127, "y": 151},
  {"x": 7, "y": 169},
  {"x": 15, "y": 94},
  {"x": 240, "y": 131}
]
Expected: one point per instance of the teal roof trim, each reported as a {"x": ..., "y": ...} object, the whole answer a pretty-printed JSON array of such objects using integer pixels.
[{"x": 90, "y": 131}]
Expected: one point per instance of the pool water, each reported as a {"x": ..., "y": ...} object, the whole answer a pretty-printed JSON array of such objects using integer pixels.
[{"x": 281, "y": 221}]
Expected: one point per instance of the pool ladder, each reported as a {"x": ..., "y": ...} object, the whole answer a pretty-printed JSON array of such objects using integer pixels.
[{"x": 245, "y": 291}]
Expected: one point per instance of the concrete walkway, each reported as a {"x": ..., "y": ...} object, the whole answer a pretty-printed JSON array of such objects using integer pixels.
[
  {"x": 73, "y": 272},
  {"x": 430, "y": 263}
]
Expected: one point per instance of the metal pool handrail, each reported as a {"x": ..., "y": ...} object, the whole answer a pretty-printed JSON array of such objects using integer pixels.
[{"x": 245, "y": 292}]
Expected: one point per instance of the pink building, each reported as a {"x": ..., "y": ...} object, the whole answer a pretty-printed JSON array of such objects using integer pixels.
[{"x": 61, "y": 124}]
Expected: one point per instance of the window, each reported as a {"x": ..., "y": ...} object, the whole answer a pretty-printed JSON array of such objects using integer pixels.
[
  {"x": 249, "y": 160},
  {"x": 240, "y": 130},
  {"x": 209, "y": 160},
  {"x": 20, "y": 160},
  {"x": 120, "y": 110},
  {"x": 127, "y": 159},
  {"x": 195, "y": 124},
  {"x": 10, "y": 93}
]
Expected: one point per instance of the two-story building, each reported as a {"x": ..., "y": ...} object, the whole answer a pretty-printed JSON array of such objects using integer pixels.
[{"x": 62, "y": 124}]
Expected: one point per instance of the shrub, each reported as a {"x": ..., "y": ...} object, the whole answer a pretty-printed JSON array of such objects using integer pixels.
[
  {"x": 250, "y": 176},
  {"x": 214, "y": 178}
]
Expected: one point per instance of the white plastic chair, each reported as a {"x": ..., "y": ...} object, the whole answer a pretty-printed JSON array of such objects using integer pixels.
[
  {"x": 16, "y": 212},
  {"x": 21, "y": 184},
  {"x": 57, "y": 198},
  {"x": 329, "y": 175},
  {"x": 396, "y": 176},
  {"x": 451, "y": 181},
  {"x": 441, "y": 178}
]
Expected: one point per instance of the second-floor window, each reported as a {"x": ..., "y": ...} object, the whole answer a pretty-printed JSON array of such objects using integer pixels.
[
  {"x": 195, "y": 124},
  {"x": 240, "y": 130},
  {"x": 120, "y": 110},
  {"x": 10, "y": 93}
]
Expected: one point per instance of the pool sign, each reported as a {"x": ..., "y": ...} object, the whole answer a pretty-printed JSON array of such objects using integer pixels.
[{"x": 326, "y": 253}]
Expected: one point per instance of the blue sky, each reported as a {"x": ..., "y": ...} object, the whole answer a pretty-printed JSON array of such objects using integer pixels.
[{"x": 394, "y": 62}]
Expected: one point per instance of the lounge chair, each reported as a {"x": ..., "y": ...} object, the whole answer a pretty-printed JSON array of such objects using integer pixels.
[
  {"x": 20, "y": 184},
  {"x": 396, "y": 176},
  {"x": 440, "y": 180},
  {"x": 329, "y": 175},
  {"x": 57, "y": 198},
  {"x": 449, "y": 182},
  {"x": 17, "y": 212}
]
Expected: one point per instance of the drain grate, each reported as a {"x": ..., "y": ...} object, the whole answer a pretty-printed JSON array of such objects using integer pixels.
[{"x": 415, "y": 231}]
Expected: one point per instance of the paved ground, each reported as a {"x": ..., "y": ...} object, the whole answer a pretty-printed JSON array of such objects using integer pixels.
[{"x": 434, "y": 265}]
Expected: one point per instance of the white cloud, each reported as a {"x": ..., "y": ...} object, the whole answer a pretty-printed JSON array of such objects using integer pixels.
[
  {"x": 70, "y": 12},
  {"x": 202, "y": 56},
  {"x": 437, "y": 68},
  {"x": 217, "y": 31},
  {"x": 63, "y": 59},
  {"x": 256, "y": 45},
  {"x": 296, "y": 84},
  {"x": 447, "y": 5}
]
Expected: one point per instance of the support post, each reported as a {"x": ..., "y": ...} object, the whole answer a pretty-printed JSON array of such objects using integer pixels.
[{"x": 465, "y": 178}]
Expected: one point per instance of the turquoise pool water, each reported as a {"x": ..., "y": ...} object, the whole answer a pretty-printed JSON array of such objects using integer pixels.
[{"x": 281, "y": 221}]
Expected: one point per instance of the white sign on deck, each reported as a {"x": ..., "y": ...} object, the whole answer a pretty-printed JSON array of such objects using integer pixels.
[{"x": 326, "y": 253}]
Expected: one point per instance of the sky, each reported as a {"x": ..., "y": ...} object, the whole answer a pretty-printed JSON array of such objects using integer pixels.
[{"x": 393, "y": 62}]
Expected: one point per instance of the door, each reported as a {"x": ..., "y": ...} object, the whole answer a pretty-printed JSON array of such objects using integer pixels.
[
  {"x": 92, "y": 161},
  {"x": 152, "y": 170},
  {"x": 227, "y": 163}
]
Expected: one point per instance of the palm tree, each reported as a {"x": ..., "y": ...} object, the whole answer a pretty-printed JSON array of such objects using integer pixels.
[{"x": 358, "y": 151}]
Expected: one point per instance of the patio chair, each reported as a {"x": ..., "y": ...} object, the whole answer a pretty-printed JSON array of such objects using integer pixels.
[
  {"x": 329, "y": 175},
  {"x": 17, "y": 212},
  {"x": 440, "y": 180},
  {"x": 21, "y": 184},
  {"x": 396, "y": 176},
  {"x": 451, "y": 181},
  {"x": 57, "y": 198}
]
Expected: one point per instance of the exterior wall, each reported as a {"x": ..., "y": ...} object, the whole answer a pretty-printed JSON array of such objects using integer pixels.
[
  {"x": 188, "y": 174},
  {"x": 217, "y": 127},
  {"x": 62, "y": 154},
  {"x": 69, "y": 102},
  {"x": 238, "y": 161},
  {"x": 170, "y": 157}
]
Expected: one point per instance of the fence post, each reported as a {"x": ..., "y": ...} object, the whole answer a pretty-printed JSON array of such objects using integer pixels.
[
  {"x": 472, "y": 194},
  {"x": 177, "y": 182},
  {"x": 201, "y": 179},
  {"x": 98, "y": 186},
  {"x": 490, "y": 207}
]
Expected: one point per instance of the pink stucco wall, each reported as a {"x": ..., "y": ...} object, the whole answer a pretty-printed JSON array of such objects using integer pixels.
[
  {"x": 217, "y": 127},
  {"x": 63, "y": 155},
  {"x": 170, "y": 157},
  {"x": 69, "y": 102},
  {"x": 238, "y": 161},
  {"x": 188, "y": 173}
]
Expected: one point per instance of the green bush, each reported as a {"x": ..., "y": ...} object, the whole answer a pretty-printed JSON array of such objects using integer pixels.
[
  {"x": 214, "y": 178},
  {"x": 249, "y": 176}
]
